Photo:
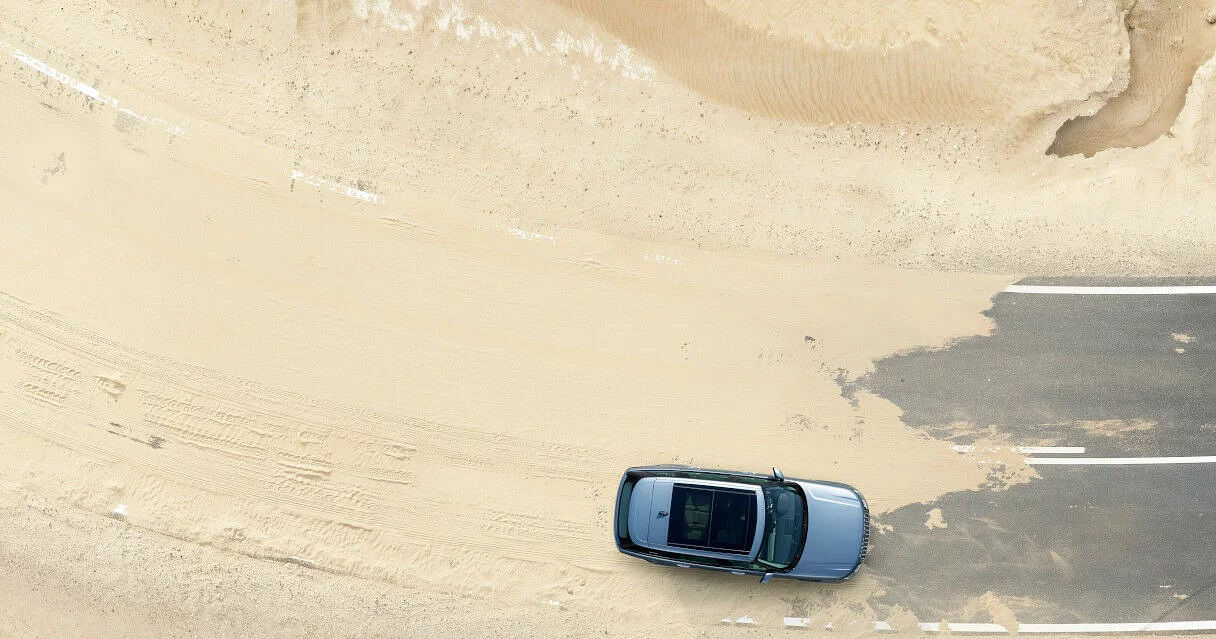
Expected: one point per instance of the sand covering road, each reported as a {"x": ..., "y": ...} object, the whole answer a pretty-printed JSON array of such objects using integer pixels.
[{"x": 390, "y": 293}]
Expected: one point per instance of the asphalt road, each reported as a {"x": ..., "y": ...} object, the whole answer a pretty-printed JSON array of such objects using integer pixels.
[{"x": 1083, "y": 544}]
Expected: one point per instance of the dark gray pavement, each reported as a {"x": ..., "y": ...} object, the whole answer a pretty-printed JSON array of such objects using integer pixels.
[{"x": 1084, "y": 543}]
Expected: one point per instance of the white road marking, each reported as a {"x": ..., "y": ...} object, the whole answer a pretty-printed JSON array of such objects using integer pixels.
[
  {"x": 531, "y": 236},
  {"x": 563, "y": 48},
  {"x": 518, "y": 233},
  {"x": 1111, "y": 290},
  {"x": 660, "y": 259},
  {"x": 336, "y": 187},
  {"x": 1051, "y": 450},
  {"x": 89, "y": 91},
  {"x": 1161, "y": 626},
  {"x": 1117, "y": 461},
  {"x": 970, "y": 627},
  {"x": 1061, "y": 628},
  {"x": 1030, "y": 450}
]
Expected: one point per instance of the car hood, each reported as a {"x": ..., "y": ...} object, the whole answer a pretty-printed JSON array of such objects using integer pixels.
[{"x": 834, "y": 533}]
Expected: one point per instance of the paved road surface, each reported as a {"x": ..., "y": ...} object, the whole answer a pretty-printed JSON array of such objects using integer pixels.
[{"x": 1084, "y": 543}]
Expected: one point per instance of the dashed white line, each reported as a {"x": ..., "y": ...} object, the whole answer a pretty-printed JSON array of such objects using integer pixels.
[
  {"x": 563, "y": 48},
  {"x": 1111, "y": 290},
  {"x": 1117, "y": 461},
  {"x": 336, "y": 187},
  {"x": 518, "y": 233},
  {"x": 90, "y": 91},
  {"x": 660, "y": 259},
  {"x": 531, "y": 236}
]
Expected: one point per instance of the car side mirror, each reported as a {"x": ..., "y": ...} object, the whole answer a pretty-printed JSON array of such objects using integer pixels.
[
  {"x": 768, "y": 576},
  {"x": 777, "y": 474}
]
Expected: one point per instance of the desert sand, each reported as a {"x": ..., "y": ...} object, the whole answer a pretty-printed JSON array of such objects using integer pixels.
[{"x": 343, "y": 318}]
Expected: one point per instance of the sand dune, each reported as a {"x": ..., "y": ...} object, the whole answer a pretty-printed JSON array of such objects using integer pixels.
[
  {"x": 1169, "y": 41},
  {"x": 824, "y": 62}
]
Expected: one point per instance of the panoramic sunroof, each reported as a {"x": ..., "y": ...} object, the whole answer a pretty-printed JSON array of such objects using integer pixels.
[{"x": 717, "y": 519}]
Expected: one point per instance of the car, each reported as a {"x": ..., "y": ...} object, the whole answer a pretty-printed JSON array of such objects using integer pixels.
[{"x": 742, "y": 523}]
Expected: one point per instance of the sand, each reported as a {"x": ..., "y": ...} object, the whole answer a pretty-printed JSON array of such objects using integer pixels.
[
  {"x": 1169, "y": 41},
  {"x": 345, "y": 317}
]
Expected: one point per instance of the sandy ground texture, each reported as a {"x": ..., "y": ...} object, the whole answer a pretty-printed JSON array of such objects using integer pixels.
[{"x": 344, "y": 317}]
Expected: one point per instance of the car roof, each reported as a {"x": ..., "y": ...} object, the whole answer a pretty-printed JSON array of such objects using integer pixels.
[{"x": 651, "y": 520}]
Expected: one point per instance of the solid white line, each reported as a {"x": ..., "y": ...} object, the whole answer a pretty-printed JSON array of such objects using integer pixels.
[
  {"x": 977, "y": 627},
  {"x": 1051, "y": 450},
  {"x": 1062, "y": 628},
  {"x": 1117, "y": 461},
  {"x": 1030, "y": 450},
  {"x": 1111, "y": 290},
  {"x": 1161, "y": 626}
]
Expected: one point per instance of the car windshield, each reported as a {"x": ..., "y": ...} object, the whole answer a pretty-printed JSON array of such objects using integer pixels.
[{"x": 784, "y": 522}]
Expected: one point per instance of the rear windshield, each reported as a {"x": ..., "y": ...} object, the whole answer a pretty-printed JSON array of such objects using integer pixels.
[{"x": 718, "y": 519}]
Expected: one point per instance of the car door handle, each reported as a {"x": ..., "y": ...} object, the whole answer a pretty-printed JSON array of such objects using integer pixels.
[{"x": 662, "y": 514}]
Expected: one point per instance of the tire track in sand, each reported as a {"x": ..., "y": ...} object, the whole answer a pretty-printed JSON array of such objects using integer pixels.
[{"x": 346, "y": 480}]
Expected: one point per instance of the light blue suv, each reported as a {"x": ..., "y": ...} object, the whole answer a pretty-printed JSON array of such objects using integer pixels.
[{"x": 742, "y": 523}]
